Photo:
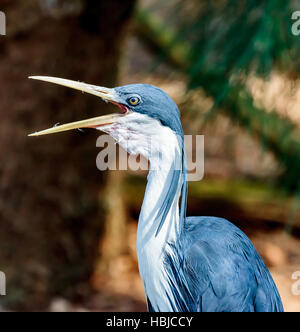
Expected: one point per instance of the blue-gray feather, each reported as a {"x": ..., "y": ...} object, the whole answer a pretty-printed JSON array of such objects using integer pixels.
[{"x": 215, "y": 268}]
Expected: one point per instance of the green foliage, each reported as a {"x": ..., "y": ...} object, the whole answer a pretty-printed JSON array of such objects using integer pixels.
[{"x": 236, "y": 37}]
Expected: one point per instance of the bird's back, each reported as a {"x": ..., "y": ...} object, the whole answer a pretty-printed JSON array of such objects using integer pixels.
[{"x": 222, "y": 270}]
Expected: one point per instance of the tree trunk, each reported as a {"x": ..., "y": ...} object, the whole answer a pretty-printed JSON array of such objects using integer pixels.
[
  {"x": 50, "y": 216},
  {"x": 114, "y": 242}
]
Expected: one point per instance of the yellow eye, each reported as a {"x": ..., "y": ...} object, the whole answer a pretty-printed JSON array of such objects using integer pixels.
[{"x": 134, "y": 101}]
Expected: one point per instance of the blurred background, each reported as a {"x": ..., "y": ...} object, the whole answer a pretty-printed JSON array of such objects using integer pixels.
[{"x": 68, "y": 231}]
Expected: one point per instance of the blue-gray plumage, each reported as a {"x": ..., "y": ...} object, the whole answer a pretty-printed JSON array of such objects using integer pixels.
[
  {"x": 187, "y": 264},
  {"x": 221, "y": 269}
]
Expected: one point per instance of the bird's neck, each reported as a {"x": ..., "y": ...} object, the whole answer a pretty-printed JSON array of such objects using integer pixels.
[
  {"x": 159, "y": 220},
  {"x": 160, "y": 224}
]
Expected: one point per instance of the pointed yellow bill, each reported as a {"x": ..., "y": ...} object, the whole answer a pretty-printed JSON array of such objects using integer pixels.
[
  {"x": 90, "y": 123},
  {"x": 104, "y": 93}
]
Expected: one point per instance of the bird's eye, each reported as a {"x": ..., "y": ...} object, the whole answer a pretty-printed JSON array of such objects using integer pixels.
[{"x": 134, "y": 101}]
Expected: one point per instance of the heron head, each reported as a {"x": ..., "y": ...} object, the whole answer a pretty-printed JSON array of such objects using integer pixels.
[{"x": 146, "y": 111}]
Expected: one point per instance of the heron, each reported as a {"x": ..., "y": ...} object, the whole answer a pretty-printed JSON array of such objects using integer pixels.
[{"x": 187, "y": 264}]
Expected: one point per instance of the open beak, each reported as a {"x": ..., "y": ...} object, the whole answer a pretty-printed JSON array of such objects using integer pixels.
[{"x": 108, "y": 95}]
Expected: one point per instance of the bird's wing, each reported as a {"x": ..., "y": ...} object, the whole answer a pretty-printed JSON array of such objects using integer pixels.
[
  {"x": 215, "y": 282},
  {"x": 225, "y": 272}
]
